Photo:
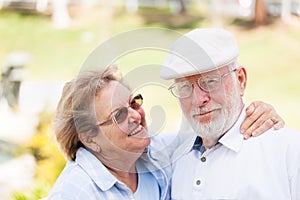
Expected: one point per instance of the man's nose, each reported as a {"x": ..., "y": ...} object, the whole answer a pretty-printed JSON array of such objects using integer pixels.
[{"x": 200, "y": 97}]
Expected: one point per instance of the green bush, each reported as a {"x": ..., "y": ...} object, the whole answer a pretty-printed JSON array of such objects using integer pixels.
[{"x": 49, "y": 160}]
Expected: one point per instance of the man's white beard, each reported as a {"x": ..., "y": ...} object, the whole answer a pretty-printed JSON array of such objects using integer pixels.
[{"x": 213, "y": 129}]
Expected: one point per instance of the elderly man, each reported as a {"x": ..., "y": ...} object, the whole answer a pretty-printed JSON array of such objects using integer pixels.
[{"x": 219, "y": 163}]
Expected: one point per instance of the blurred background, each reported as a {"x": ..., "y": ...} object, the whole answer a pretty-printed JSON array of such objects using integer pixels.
[{"x": 43, "y": 44}]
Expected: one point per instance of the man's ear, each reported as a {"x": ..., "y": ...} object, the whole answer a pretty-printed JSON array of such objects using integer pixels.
[{"x": 242, "y": 79}]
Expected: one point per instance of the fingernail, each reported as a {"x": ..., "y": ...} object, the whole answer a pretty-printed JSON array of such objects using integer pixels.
[
  {"x": 276, "y": 127},
  {"x": 243, "y": 131},
  {"x": 250, "y": 108},
  {"x": 246, "y": 136},
  {"x": 254, "y": 133}
]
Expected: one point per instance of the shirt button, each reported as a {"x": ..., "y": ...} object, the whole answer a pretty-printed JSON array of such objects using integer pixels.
[
  {"x": 198, "y": 182},
  {"x": 203, "y": 159}
]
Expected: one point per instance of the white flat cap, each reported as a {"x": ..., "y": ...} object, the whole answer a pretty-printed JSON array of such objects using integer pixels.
[{"x": 200, "y": 51}]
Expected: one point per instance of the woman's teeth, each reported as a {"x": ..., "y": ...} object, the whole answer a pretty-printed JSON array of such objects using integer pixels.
[{"x": 138, "y": 129}]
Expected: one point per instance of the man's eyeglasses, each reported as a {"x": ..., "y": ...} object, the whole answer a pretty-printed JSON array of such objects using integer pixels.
[
  {"x": 121, "y": 114},
  {"x": 209, "y": 83}
]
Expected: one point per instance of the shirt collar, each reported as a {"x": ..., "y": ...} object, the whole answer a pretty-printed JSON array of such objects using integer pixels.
[
  {"x": 233, "y": 139},
  {"x": 95, "y": 169}
]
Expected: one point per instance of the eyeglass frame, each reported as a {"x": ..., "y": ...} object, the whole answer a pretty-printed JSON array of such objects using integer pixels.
[
  {"x": 113, "y": 118},
  {"x": 198, "y": 84}
]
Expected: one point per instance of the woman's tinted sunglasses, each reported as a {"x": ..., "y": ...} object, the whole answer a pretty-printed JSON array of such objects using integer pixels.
[{"x": 121, "y": 114}]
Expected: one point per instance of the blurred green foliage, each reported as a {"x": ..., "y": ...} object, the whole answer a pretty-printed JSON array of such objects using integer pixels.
[
  {"x": 54, "y": 53},
  {"x": 49, "y": 160},
  {"x": 58, "y": 54}
]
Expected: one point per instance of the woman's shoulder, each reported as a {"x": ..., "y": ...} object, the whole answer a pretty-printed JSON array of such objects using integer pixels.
[{"x": 70, "y": 182}]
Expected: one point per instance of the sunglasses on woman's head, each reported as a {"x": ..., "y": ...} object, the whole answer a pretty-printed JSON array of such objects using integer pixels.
[{"x": 121, "y": 114}]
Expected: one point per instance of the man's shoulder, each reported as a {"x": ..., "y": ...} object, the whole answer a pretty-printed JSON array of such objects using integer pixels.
[
  {"x": 283, "y": 134},
  {"x": 289, "y": 136},
  {"x": 172, "y": 140},
  {"x": 169, "y": 136},
  {"x": 282, "y": 139},
  {"x": 166, "y": 146}
]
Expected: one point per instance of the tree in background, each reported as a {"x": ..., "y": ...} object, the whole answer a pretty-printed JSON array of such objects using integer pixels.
[
  {"x": 260, "y": 15},
  {"x": 182, "y": 6},
  {"x": 178, "y": 6}
]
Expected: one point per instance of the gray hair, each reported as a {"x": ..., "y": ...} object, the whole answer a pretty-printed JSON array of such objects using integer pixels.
[{"x": 76, "y": 109}]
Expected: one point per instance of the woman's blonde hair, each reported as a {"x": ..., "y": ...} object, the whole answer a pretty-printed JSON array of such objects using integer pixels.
[{"x": 75, "y": 111}]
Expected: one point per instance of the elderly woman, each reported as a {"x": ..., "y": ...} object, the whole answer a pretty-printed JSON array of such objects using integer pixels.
[{"x": 101, "y": 129}]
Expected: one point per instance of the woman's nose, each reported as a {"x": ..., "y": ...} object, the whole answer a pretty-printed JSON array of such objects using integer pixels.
[{"x": 134, "y": 115}]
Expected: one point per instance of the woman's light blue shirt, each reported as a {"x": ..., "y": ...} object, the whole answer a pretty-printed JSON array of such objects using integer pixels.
[
  {"x": 148, "y": 188},
  {"x": 88, "y": 178}
]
